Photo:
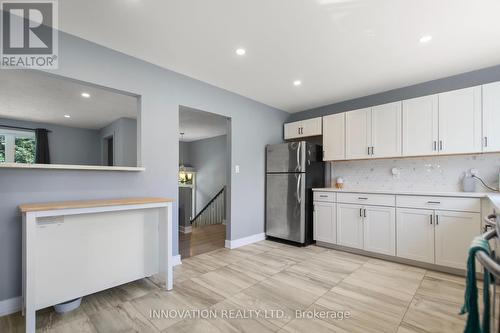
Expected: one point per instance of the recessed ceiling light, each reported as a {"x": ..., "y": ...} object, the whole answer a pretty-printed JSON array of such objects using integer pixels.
[
  {"x": 85, "y": 95},
  {"x": 425, "y": 39},
  {"x": 297, "y": 83},
  {"x": 67, "y": 116},
  {"x": 240, "y": 51}
]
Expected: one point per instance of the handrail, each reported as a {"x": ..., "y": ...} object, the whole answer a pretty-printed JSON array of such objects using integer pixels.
[
  {"x": 489, "y": 264},
  {"x": 208, "y": 204}
]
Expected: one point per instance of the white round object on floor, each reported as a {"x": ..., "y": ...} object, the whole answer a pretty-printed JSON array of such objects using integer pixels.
[{"x": 68, "y": 306}]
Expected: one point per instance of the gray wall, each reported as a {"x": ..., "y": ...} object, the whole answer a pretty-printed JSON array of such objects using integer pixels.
[
  {"x": 67, "y": 145},
  {"x": 124, "y": 131},
  {"x": 460, "y": 81},
  {"x": 209, "y": 158},
  {"x": 162, "y": 91}
]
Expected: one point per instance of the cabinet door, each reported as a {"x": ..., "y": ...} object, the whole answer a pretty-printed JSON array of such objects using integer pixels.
[
  {"x": 334, "y": 137},
  {"x": 349, "y": 225},
  {"x": 358, "y": 133},
  {"x": 460, "y": 121},
  {"x": 311, "y": 127},
  {"x": 420, "y": 126},
  {"x": 454, "y": 233},
  {"x": 324, "y": 222},
  {"x": 491, "y": 116},
  {"x": 292, "y": 130},
  {"x": 415, "y": 234},
  {"x": 379, "y": 232},
  {"x": 386, "y": 130}
]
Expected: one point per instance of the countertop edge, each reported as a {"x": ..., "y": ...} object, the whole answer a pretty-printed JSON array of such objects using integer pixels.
[{"x": 60, "y": 205}]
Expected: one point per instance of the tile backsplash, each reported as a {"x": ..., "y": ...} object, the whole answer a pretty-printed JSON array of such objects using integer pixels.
[{"x": 436, "y": 173}]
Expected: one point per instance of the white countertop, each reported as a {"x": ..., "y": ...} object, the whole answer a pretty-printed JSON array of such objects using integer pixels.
[
  {"x": 492, "y": 196},
  {"x": 403, "y": 192}
]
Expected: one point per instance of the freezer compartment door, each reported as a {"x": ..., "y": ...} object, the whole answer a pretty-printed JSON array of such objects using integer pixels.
[
  {"x": 285, "y": 206},
  {"x": 286, "y": 157}
]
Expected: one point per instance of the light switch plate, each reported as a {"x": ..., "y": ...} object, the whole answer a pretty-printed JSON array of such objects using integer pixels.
[{"x": 236, "y": 169}]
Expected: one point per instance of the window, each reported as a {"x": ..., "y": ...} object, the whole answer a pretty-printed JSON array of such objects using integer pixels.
[{"x": 17, "y": 146}]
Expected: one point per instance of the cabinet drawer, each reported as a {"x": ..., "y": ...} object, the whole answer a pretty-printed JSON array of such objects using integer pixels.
[
  {"x": 324, "y": 196},
  {"x": 367, "y": 199},
  {"x": 443, "y": 203}
]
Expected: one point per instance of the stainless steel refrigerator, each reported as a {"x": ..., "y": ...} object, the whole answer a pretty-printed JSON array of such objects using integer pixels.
[{"x": 292, "y": 170}]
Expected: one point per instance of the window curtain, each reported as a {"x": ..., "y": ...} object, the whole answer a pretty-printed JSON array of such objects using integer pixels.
[{"x": 42, "y": 155}]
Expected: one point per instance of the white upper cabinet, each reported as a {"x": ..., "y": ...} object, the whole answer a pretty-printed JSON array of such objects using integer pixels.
[
  {"x": 460, "y": 121},
  {"x": 358, "y": 126},
  {"x": 386, "y": 130},
  {"x": 303, "y": 128},
  {"x": 334, "y": 137},
  {"x": 420, "y": 126},
  {"x": 491, "y": 116}
]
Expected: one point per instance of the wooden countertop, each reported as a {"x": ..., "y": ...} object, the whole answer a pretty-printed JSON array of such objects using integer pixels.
[{"x": 89, "y": 203}]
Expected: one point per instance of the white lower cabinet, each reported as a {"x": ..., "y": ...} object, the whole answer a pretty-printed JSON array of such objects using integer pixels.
[
  {"x": 454, "y": 232},
  {"x": 379, "y": 232},
  {"x": 415, "y": 234},
  {"x": 325, "y": 228},
  {"x": 371, "y": 228},
  {"x": 350, "y": 225},
  {"x": 440, "y": 235},
  {"x": 436, "y": 236}
]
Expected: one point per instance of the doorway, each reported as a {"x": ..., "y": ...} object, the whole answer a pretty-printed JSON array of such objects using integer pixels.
[
  {"x": 108, "y": 151},
  {"x": 204, "y": 181}
]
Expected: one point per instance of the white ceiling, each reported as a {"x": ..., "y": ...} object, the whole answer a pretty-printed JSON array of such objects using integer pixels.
[
  {"x": 36, "y": 96},
  {"x": 339, "y": 49},
  {"x": 199, "y": 125}
]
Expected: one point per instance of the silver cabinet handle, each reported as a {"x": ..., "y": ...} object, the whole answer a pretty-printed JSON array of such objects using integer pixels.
[
  {"x": 361, "y": 212},
  {"x": 440, "y": 144},
  {"x": 434, "y": 147},
  {"x": 364, "y": 212},
  {"x": 437, "y": 219},
  {"x": 323, "y": 196},
  {"x": 430, "y": 218},
  {"x": 368, "y": 150},
  {"x": 373, "y": 150},
  {"x": 434, "y": 202},
  {"x": 362, "y": 198},
  {"x": 486, "y": 141}
]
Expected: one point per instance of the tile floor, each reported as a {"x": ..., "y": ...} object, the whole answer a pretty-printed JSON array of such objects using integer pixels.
[{"x": 380, "y": 296}]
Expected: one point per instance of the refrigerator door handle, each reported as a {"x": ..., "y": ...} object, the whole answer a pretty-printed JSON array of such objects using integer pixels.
[
  {"x": 298, "y": 167},
  {"x": 299, "y": 178}
]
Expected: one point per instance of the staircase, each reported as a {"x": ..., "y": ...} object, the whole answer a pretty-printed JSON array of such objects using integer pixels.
[{"x": 214, "y": 211}]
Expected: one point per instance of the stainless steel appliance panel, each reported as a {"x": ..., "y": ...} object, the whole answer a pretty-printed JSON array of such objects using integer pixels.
[
  {"x": 286, "y": 157},
  {"x": 285, "y": 208}
]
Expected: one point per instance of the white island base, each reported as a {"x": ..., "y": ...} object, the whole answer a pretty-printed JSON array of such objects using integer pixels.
[{"x": 73, "y": 249}]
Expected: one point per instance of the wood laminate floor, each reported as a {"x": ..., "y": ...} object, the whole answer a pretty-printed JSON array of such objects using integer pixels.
[
  {"x": 380, "y": 296},
  {"x": 201, "y": 240}
]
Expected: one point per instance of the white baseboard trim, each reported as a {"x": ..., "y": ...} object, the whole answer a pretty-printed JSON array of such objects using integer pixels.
[
  {"x": 233, "y": 244},
  {"x": 13, "y": 305},
  {"x": 9, "y": 306},
  {"x": 185, "y": 230},
  {"x": 176, "y": 260}
]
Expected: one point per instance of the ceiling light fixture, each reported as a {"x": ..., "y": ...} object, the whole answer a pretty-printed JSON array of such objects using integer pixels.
[
  {"x": 297, "y": 83},
  {"x": 67, "y": 116},
  {"x": 240, "y": 51},
  {"x": 85, "y": 95},
  {"x": 425, "y": 39}
]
